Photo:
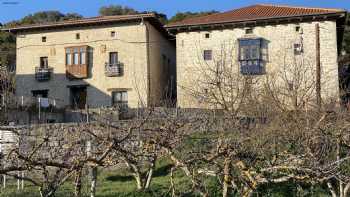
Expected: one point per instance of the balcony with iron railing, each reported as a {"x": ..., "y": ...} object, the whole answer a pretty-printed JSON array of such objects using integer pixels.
[
  {"x": 43, "y": 73},
  {"x": 114, "y": 70}
]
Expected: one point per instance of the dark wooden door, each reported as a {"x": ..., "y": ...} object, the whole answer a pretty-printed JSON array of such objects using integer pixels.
[
  {"x": 82, "y": 98},
  {"x": 78, "y": 97}
]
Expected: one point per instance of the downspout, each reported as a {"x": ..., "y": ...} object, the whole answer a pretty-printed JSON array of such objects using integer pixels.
[{"x": 148, "y": 65}]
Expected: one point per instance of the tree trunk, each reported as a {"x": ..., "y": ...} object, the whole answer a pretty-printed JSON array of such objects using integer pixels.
[
  {"x": 172, "y": 184},
  {"x": 149, "y": 178},
  {"x": 346, "y": 189},
  {"x": 77, "y": 189},
  {"x": 341, "y": 185},
  {"x": 226, "y": 190},
  {"x": 93, "y": 181},
  {"x": 331, "y": 189},
  {"x": 138, "y": 179},
  {"x": 46, "y": 192},
  {"x": 248, "y": 192},
  {"x": 150, "y": 174}
]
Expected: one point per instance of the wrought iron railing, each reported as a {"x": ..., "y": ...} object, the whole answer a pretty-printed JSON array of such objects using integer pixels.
[
  {"x": 114, "y": 70},
  {"x": 43, "y": 74}
]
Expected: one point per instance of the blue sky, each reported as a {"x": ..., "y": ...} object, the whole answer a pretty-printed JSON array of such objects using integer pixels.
[{"x": 16, "y": 9}]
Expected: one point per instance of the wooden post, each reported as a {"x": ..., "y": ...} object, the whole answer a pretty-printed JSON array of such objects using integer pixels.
[
  {"x": 39, "y": 114},
  {"x": 4, "y": 181},
  {"x": 18, "y": 180},
  {"x": 93, "y": 171},
  {"x": 318, "y": 68},
  {"x": 87, "y": 113},
  {"x": 22, "y": 181}
]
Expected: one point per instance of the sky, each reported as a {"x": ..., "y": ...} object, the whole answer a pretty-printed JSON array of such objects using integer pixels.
[{"x": 16, "y": 9}]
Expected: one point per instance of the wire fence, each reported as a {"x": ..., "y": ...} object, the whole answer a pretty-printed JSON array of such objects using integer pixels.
[{"x": 11, "y": 101}]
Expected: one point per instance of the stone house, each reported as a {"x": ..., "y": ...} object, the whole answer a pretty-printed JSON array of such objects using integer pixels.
[
  {"x": 101, "y": 61},
  {"x": 259, "y": 41}
]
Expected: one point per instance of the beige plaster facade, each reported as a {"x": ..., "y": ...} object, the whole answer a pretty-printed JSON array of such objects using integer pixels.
[{"x": 140, "y": 47}]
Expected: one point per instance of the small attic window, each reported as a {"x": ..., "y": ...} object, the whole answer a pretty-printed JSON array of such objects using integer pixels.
[
  {"x": 207, "y": 35},
  {"x": 43, "y": 39},
  {"x": 77, "y": 36},
  {"x": 297, "y": 28},
  {"x": 113, "y": 34},
  {"x": 249, "y": 31}
]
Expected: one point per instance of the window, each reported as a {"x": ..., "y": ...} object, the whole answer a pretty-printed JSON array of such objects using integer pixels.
[
  {"x": 76, "y": 55},
  {"x": 250, "y": 56},
  {"x": 44, "y": 62},
  {"x": 207, "y": 35},
  {"x": 113, "y": 35},
  {"x": 113, "y": 58},
  {"x": 297, "y": 28},
  {"x": 207, "y": 55},
  {"x": 82, "y": 56},
  {"x": 77, "y": 36},
  {"x": 120, "y": 98},
  {"x": 43, "y": 39},
  {"x": 68, "y": 57},
  {"x": 298, "y": 49},
  {"x": 249, "y": 31},
  {"x": 114, "y": 68},
  {"x": 40, "y": 93}
]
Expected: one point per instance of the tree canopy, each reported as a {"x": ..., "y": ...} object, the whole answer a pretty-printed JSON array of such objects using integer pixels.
[
  {"x": 346, "y": 43},
  {"x": 184, "y": 15},
  {"x": 8, "y": 41},
  {"x": 44, "y": 17},
  {"x": 113, "y": 10}
]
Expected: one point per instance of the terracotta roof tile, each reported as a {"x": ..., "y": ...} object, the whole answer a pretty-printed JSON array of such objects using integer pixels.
[{"x": 254, "y": 12}]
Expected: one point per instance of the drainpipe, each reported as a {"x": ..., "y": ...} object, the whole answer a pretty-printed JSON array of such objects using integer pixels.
[
  {"x": 318, "y": 68},
  {"x": 148, "y": 65}
]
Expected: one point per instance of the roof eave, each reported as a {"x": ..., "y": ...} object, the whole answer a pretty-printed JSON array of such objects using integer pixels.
[
  {"x": 190, "y": 27},
  {"x": 77, "y": 23}
]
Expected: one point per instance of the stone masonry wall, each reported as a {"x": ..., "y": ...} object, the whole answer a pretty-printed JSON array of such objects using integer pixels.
[{"x": 279, "y": 40}]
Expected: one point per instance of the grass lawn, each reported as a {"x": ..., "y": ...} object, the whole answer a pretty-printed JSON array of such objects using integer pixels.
[
  {"x": 111, "y": 183},
  {"x": 116, "y": 182}
]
